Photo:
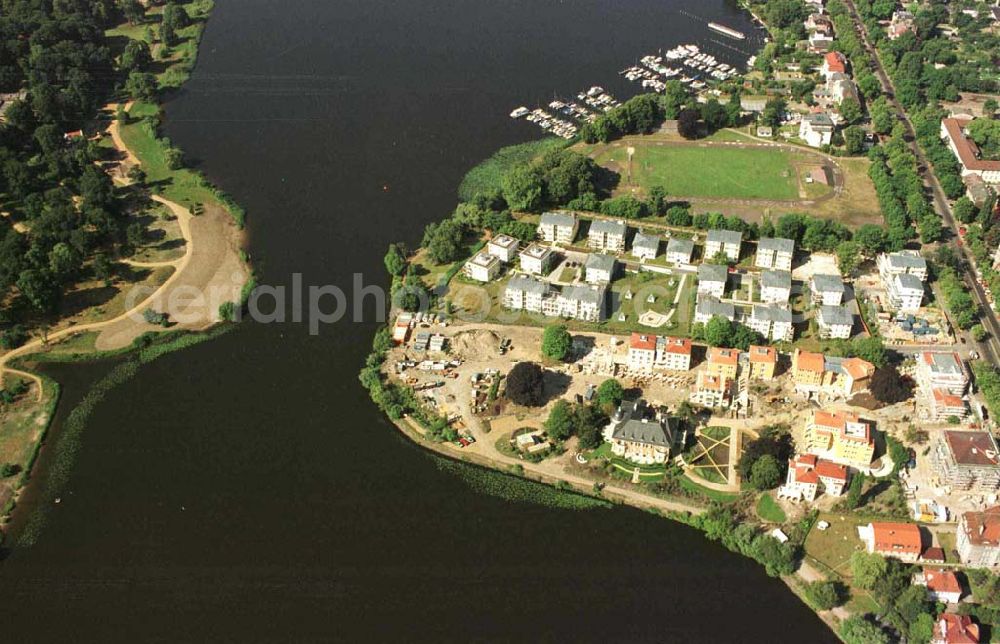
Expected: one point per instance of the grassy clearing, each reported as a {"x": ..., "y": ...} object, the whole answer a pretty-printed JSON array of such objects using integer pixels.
[
  {"x": 164, "y": 240},
  {"x": 701, "y": 170},
  {"x": 172, "y": 65},
  {"x": 24, "y": 422},
  {"x": 834, "y": 546},
  {"x": 769, "y": 510},
  {"x": 92, "y": 301},
  {"x": 184, "y": 186},
  {"x": 857, "y": 203}
]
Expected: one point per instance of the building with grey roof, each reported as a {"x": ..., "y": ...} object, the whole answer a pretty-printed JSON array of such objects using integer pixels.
[
  {"x": 645, "y": 246},
  {"x": 600, "y": 268},
  {"x": 827, "y": 289},
  {"x": 558, "y": 227},
  {"x": 679, "y": 251},
  {"x": 834, "y": 321},
  {"x": 905, "y": 292},
  {"x": 641, "y": 435},
  {"x": 582, "y": 302},
  {"x": 904, "y": 261},
  {"x": 709, "y": 307},
  {"x": 775, "y": 252},
  {"x": 771, "y": 321},
  {"x": 724, "y": 241},
  {"x": 578, "y": 302},
  {"x": 712, "y": 279},
  {"x": 607, "y": 235},
  {"x": 775, "y": 286}
]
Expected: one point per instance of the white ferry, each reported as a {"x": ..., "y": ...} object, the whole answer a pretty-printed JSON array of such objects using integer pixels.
[{"x": 726, "y": 31}]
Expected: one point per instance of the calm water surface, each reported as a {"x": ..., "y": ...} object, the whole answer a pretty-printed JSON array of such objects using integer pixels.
[{"x": 245, "y": 489}]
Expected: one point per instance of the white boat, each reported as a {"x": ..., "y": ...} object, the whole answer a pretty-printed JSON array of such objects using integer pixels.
[
  {"x": 519, "y": 112},
  {"x": 726, "y": 31}
]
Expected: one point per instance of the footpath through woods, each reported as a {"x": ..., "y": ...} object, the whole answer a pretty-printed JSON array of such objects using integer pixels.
[{"x": 211, "y": 271}]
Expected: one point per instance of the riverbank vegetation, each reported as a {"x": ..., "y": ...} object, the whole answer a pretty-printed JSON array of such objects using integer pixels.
[
  {"x": 64, "y": 450},
  {"x": 68, "y": 231}
]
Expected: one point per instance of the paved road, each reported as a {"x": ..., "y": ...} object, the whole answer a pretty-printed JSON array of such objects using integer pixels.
[{"x": 990, "y": 348}]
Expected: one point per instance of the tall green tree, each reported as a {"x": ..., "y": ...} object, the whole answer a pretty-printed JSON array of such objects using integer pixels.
[{"x": 556, "y": 341}]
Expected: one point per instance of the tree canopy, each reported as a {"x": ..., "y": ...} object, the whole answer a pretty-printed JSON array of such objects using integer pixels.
[
  {"x": 525, "y": 384},
  {"x": 556, "y": 341}
]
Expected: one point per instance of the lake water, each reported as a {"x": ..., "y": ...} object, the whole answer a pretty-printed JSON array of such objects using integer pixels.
[{"x": 245, "y": 489}]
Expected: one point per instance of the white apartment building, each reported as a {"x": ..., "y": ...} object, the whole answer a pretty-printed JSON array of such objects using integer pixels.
[
  {"x": 503, "y": 247},
  {"x": 834, "y": 321},
  {"x": 775, "y": 286},
  {"x": 600, "y": 268},
  {"x": 709, "y": 307},
  {"x": 726, "y": 241},
  {"x": 679, "y": 251},
  {"x": 712, "y": 279},
  {"x": 536, "y": 259},
  {"x": 483, "y": 267},
  {"x": 772, "y": 322},
  {"x": 775, "y": 253},
  {"x": 827, "y": 289},
  {"x": 645, "y": 246},
  {"x": 606, "y": 235},
  {"x": 558, "y": 227}
]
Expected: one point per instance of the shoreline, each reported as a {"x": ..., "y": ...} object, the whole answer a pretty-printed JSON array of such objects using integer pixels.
[
  {"x": 126, "y": 336},
  {"x": 611, "y": 494}
]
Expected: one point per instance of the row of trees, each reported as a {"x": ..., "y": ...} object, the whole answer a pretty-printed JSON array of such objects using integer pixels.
[
  {"x": 720, "y": 332},
  {"x": 722, "y": 524},
  {"x": 646, "y": 112}
]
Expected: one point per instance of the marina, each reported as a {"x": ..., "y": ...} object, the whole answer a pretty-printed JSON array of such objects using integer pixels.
[
  {"x": 555, "y": 119},
  {"x": 687, "y": 64}
]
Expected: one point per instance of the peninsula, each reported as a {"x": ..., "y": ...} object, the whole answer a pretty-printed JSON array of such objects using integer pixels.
[{"x": 752, "y": 305}]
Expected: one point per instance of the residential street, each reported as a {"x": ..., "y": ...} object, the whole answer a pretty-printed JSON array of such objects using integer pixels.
[{"x": 989, "y": 348}]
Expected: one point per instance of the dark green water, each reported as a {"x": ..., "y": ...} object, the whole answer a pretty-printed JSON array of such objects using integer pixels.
[{"x": 245, "y": 489}]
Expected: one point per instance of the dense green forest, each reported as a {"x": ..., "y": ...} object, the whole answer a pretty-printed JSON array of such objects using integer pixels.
[{"x": 63, "y": 220}]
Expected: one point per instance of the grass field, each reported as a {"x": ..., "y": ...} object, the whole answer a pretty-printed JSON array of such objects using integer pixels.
[
  {"x": 834, "y": 546},
  {"x": 708, "y": 172},
  {"x": 719, "y": 171},
  {"x": 769, "y": 510}
]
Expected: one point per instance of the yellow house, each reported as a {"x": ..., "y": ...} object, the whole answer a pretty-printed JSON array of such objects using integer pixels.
[
  {"x": 807, "y": 369},
  {"x": 814, "y": 373},
  {"x": 763, "y": 362},
  {"x": 723, "y": 362},
  {"x": 841, "y": 437}
]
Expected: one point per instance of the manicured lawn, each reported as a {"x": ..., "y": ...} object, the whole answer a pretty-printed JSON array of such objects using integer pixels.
[
  {"x": 709, "y": 474},
  {"x": 769, "y": 510},
  {"x": 646, "y": 472},
  {"x": 602, "y": 451},
  {"x": 693, "y": 170}
]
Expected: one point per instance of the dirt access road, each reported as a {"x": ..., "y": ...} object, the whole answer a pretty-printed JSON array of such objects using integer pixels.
[{"x": 210, "y": 272}]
